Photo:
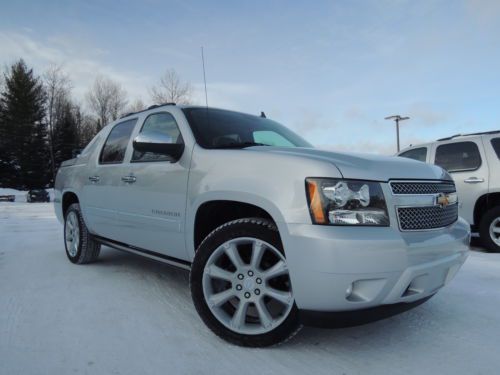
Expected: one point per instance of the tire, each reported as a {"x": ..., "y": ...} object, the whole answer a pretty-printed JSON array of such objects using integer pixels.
[
  {"x": 262, "y": 276},
  {"x": 81, "y": 248},
  {"x": 490, "y": 222}
]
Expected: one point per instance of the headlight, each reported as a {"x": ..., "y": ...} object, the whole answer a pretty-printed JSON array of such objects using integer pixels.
[{"x": 346, "y": 202}]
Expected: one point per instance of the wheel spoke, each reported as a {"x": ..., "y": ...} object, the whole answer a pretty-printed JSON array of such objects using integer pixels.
[
  {"x": 218, "y": 273},
  {"x": 232, "y": 252},
  {"x": 258, "y": 250},
  {"x": 278, "y": 269},
  {"x": 264, "y": 316},
  {"x": 221, "y": 298},
  {"x": 240, "y": 315},
  {"x": 496, "y": 229},
  {"x": 284, "y": 297}
]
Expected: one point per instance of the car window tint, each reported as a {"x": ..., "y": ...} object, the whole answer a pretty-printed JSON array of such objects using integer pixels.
[
  {"x": 115, "y": 146},
  {"x": 268, "y": 137},
  {"x": 162, "y": 123},
  {"x": 419, "y": 154},
  {"x": 459, "y": 156},
  {"x": 495, "y": 142}
]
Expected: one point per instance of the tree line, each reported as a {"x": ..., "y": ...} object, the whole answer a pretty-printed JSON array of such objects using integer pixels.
[{"x": 42, "y": 124}]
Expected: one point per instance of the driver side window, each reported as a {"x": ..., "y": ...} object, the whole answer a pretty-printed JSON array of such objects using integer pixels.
[{"x": 158, "y": 123}]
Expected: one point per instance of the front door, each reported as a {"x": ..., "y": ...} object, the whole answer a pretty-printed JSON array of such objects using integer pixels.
[
  {"x": 467, "y": 164},
  {"x": 153, "y": 194}
]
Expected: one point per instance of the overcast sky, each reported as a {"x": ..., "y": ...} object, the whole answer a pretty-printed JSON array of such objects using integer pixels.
[{"x": 330, "y": 70}]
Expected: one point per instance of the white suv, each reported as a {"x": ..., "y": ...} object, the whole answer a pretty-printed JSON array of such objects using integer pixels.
[{"x": 473, "y": 160}]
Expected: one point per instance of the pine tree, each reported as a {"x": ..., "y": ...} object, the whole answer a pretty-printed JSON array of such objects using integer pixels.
[
  {"x": 65, "y": 134},
  {"x": 23, "y": 148}
]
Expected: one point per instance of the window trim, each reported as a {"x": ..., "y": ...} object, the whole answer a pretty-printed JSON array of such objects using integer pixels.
[
  {"x": 139, "y": 132},
  {"x": 497, "y": 153},
  {"x": 413, "y": 149},
  {"x": 99, "y": 162},
  {"x": 461, "y": 170}
]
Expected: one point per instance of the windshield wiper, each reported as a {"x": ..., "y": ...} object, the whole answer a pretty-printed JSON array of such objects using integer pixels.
[{"x": 240, "y": 145}]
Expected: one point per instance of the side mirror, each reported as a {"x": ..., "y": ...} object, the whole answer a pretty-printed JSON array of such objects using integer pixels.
[{"x": 158, "y": 143}]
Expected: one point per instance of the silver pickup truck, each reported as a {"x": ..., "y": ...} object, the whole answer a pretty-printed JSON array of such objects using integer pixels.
[{"x": 275, "y": 233}]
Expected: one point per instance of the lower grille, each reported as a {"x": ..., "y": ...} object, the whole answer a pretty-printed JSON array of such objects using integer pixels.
[{"x": 430, "y": 217}]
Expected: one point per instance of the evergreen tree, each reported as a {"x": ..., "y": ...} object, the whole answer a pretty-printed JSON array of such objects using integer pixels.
[
  {"x": 65, "y": 134},
  {"x": 24, "y": 158}
]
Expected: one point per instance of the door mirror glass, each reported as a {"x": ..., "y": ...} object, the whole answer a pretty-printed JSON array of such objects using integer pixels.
[{"x": 156, "y": 143}]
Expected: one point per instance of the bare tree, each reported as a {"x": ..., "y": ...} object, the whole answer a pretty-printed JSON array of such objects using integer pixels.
[
  {"x": 171, "y": 89},
  {"x": 136, "y": 106},
  {"x": 107, "y": 100},
  {"x": 57, "y": 87}
]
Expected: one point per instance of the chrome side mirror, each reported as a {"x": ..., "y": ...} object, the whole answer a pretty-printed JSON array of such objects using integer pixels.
[{"x": 158, "y": 143}]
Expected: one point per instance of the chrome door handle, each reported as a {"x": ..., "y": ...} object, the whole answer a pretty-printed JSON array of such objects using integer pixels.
[
  {"x": 129, "y": 179},
  {"x": 474, "y": 180},
  {"x": 94, "y": 179}
]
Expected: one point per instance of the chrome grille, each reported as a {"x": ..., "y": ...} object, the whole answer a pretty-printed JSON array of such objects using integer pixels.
[
  {"x": 419, "y": 188},
  {"x": 429, "y": 217}
]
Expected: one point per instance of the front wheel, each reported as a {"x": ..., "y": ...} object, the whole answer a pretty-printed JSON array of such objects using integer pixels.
[
  {"x": 81, "y": 248},
  {"x": 490, "y": 230},
  {"x": 240, "y": 284}
]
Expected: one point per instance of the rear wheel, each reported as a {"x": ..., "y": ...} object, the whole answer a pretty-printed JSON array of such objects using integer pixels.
[
  {"x": 490, "y": 230},
  {"x": 81, "y": 248},
  {"x": 241, "y": 286}
]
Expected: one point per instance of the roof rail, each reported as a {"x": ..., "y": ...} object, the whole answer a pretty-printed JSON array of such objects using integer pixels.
[
  {"x": 464, "y": 135},
  {"x": 147, "y": 109}
]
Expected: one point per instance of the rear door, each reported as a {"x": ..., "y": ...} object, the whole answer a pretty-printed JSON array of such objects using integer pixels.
[
  {"x": 153, "y": 187},
  {"x": 466, "y": 162},
  {"x": 102, "y": 185}
]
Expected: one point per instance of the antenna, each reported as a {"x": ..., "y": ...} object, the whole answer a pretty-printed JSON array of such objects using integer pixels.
[{"x": 204, "y": 76}]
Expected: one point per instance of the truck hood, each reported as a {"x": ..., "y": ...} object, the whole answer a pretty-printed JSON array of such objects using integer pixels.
[{"x": 367, "y": 166}]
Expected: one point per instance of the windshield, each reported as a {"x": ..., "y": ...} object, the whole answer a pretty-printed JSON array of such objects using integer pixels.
[{"x": 217, "y": 128}]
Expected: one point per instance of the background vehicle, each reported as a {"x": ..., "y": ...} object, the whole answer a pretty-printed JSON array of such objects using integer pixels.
[
  {"x": 275, "y": 233},
  {"x": 473, "y": 160},
  {"x": 37, "y": 195},
  {"x": 7, "y": 198}
]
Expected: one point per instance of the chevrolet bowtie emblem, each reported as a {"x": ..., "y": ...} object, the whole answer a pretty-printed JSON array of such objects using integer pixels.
[{"x": 443, "y": 200}]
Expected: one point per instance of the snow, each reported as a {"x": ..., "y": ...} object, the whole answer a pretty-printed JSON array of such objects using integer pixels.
[{"x": 129, "y": 315}]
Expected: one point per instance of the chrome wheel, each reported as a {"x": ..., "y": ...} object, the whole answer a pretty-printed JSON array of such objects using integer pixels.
[
  {"x": 246, "y": 286},
  {"x": 495, "y": 231},
  {"x": 72, "y": 234}
]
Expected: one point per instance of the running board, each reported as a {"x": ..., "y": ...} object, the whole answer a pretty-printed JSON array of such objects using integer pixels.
[{"x": 145, "y": 253}]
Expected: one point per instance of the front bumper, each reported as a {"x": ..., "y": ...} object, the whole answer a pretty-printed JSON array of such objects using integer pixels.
[{"x": 335, "y": 269}]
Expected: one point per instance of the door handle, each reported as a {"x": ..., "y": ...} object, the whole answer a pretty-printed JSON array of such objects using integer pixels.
[
  {"x": 129, "y": 179},
  {"x": 94, "y": 179},
  {"x": 473, "y": 180}
]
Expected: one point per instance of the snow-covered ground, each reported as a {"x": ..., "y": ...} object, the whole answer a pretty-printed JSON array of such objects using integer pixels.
[{"x": 128, "y": 315}]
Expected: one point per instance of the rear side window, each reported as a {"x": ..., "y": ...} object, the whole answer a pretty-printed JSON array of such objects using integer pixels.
[
  {"x": 419, "y": 154},
  {"x": 495, "y": 142},
  {"x": 114, "y": 149},
  {"x": 459, "y": 156},
  {"x": 159, "y": 123}
]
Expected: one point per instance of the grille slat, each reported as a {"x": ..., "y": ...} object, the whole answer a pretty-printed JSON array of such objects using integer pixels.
[
  {"x": 425, "y": 217},
  {"x": 421, "y": 218},
  {"x": 418, "y": 188}
]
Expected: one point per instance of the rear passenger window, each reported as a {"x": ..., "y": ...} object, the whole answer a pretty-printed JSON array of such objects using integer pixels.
[
  {"x": 419, "y": 154},
  {"x": 114, "y": 149},
  {"x": 459, "y": 156},
  {"x": 495, "y": 142},
  {"x": 159, "y": 123}
]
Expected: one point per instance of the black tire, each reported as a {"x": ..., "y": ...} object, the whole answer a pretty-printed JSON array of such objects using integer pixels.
[
  {"x": 484, "y": 229},
  {"x": 249, "y": 227},
  {"x": 88, "y": 249}
]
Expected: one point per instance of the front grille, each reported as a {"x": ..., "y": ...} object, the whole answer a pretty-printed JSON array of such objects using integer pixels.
[
  {"x": 429, "y": 217},
  {"x": 419, "y": 188}
]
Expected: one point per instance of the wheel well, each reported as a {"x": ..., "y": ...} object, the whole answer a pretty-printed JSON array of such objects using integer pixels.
[
  {"x": 213, "y": 214},
  {"x": 483, "y": 204},
  {"x": 67, "y": 200}
]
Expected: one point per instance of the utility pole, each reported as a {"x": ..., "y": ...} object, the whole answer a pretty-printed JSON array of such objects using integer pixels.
[{"x": 397, "y": 119}]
